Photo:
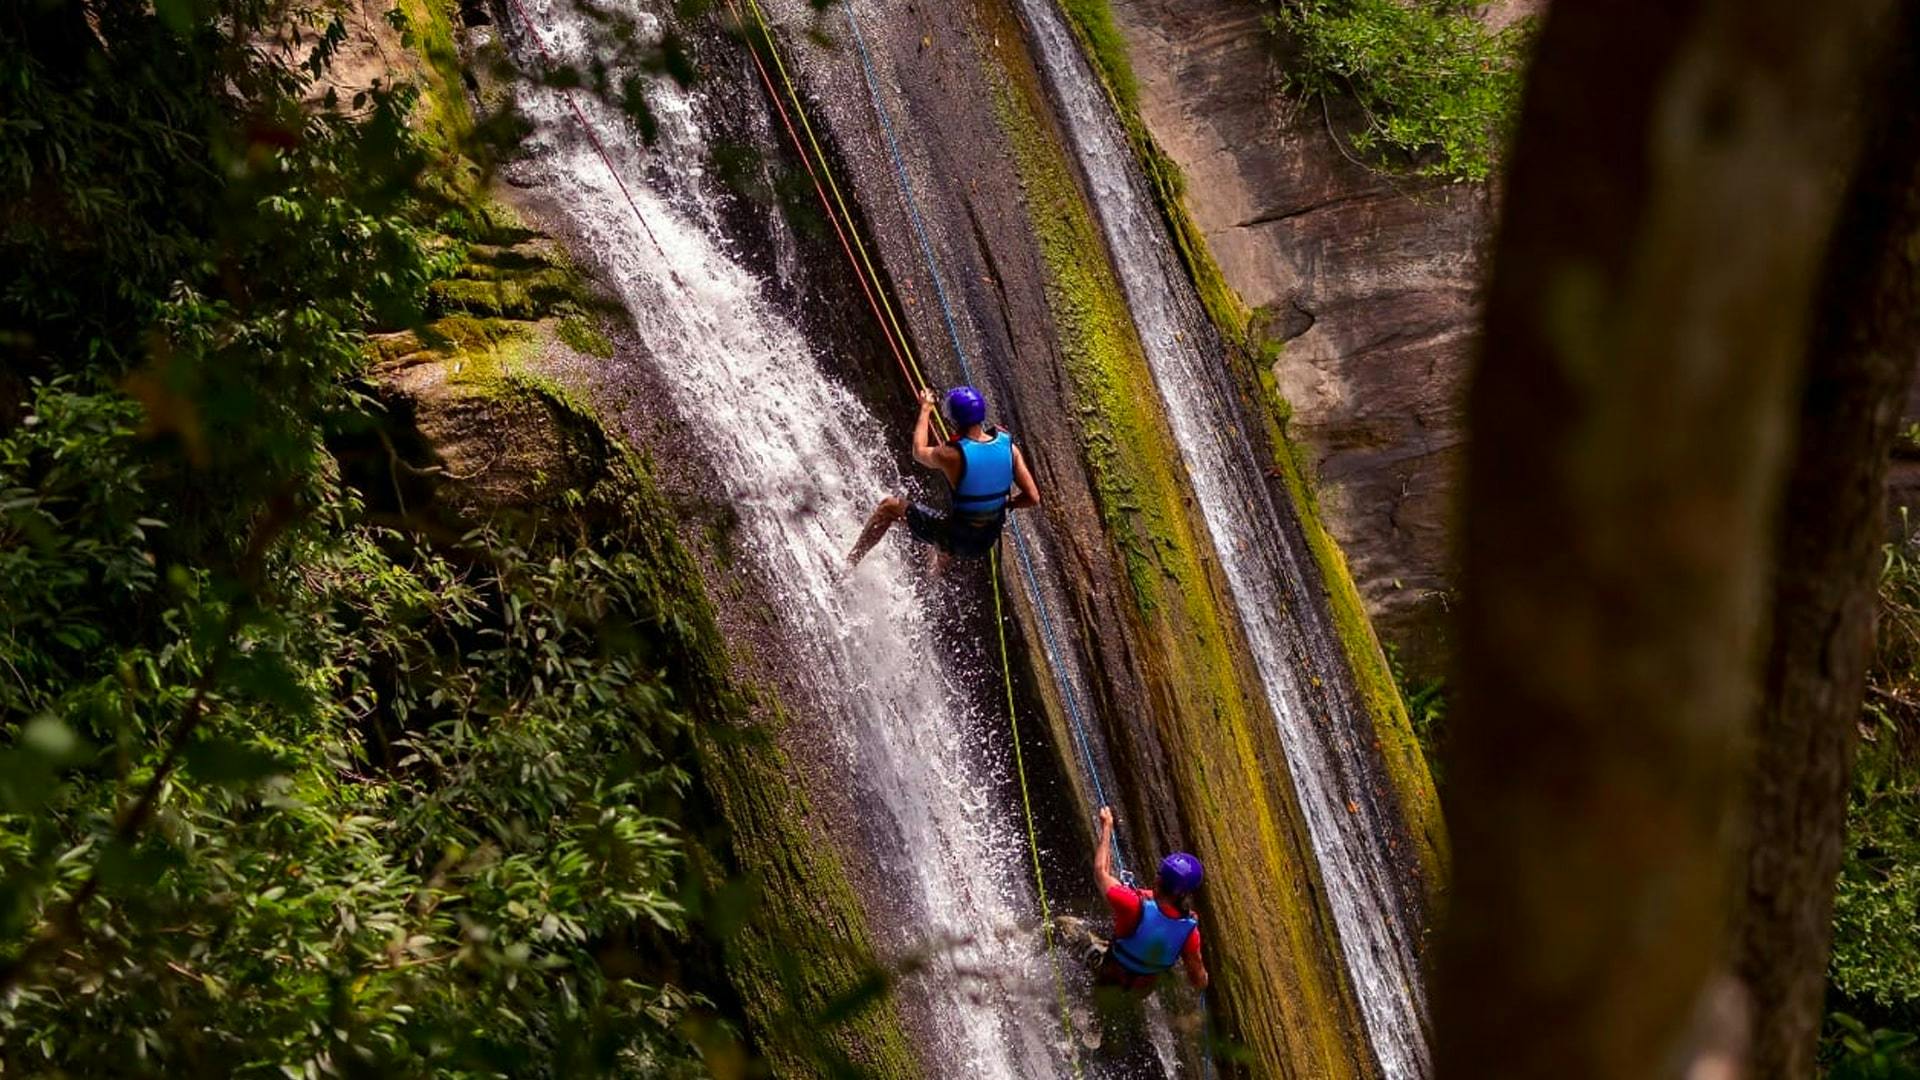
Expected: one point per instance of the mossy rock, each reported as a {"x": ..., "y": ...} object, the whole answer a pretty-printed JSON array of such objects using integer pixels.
[
  {"x": 583, "y": 335},
  {"x": 466, "y": 332},
  {"x": 507, "y": 296},
  {"x": 488, "y": 260}
]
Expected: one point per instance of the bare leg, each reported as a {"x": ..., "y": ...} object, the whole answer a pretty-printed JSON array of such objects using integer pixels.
[{"x": 891, "y": 510}]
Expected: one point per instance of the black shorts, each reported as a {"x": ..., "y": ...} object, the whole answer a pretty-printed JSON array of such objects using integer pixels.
[
  {"x": 1109, "y": 973},
  {"x": 956, "y": 534}
]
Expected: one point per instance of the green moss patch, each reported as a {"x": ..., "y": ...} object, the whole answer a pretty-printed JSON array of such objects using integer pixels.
[
  {"x": 585, "y": 336},
  {"x": 526, "y": 295},
  {"x": 445, "y": 117},
  {"x": 1399, "y": 745},
  {"x": 1100, "y": 36},
  {"x": 1093, "y": 21}
]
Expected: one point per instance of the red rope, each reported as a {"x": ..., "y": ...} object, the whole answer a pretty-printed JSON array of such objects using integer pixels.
[
  {"x": 826, "y": 205},
  {"x": 586, "y": 127}
]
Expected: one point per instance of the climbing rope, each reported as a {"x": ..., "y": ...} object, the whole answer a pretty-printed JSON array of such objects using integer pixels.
[
  {"x": 1073, "y": 708},
  {"x": 881, "y": 306},
  {"x": 835, "y": 207},
  {"x": 901, "y": 347},
  {"x": 1033, "y": 837},
  {"x": 833, "y": 202},
  {"x": 906, "y": 190}
]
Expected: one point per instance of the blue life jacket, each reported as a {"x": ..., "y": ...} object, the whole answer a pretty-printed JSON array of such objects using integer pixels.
[
  {"x": 986, "y": 475},
  {"x": 1154, "y": 946}
]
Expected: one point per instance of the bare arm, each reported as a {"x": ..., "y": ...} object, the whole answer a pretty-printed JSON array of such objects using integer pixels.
[
  {"x": 1103, "y": 852},
  {"x": 926, "y": 442},
  {"x": 1196, "y": 969},
  {"x": 1027, "y": 493}
]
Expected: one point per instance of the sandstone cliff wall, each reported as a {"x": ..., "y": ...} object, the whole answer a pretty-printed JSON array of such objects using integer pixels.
[{"x": 1370, "y": 280}]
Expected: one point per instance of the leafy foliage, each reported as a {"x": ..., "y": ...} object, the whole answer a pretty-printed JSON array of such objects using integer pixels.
[
  {"x": 283, "y": 786},
  {"x": 1876, "y": 952},
  {"x": 1439, "y": 91},
  {"x": 1426, "y": 701},
  {"x": 1877, "y": 1054}
]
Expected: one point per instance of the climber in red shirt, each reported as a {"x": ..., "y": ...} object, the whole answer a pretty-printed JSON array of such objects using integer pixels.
[{"x": 1153, "y": 929}]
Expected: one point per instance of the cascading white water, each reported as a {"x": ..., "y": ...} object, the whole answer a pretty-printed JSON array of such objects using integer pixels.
[
  {"x": 1329, "y": 764},
  {"x": 736, "y": 368}
]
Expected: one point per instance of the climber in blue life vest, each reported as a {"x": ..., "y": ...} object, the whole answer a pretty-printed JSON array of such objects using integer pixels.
[
  {"x": 1153, "y": 929},
  {"x": 984, "y": 469}
]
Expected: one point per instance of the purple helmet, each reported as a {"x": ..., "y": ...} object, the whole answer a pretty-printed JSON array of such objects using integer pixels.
[
  {"x": 965, "y": 407},
  {"x": 1179, "y": 874}
]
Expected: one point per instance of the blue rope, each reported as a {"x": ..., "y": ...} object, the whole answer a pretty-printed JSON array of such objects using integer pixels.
[
  {"x": 1206, "y": 1037},
  {"x": 906, "y": 188},
  {"x": 1073, "y": 706},
  {"x": 966, "y": 370}
]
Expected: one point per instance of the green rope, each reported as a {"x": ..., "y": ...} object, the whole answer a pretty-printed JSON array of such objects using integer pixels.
[{"x": 1033, "y": 836}]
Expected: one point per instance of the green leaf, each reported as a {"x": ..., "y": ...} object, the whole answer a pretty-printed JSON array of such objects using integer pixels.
[
  {"x": 178, "y": 15},
  {"x": 225, "y": 761},
  {"x": 125, "y": 869},
  {"x": 27, "y": 780},
  {"x": 264, "y": 674},
  {"x": 53, "y": 741},
  {"x": 30, "y": 769}
]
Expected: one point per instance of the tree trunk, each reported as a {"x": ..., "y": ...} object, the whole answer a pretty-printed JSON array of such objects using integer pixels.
[
  {"x": 1865, "y": 339},
  {"x": 1670, "y": 198}
]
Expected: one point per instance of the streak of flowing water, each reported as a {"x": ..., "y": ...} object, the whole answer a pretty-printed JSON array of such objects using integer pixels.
[
  {"x": 735, "y": 367},
  {"x": 1329, "y": 763}
]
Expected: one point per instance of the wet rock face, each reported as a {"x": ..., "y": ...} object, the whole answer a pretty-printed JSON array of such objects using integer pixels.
[{"x": 1370, "y": 280}]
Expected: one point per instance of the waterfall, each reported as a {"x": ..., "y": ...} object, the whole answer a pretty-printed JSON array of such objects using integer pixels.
[
  {"x": 1330, "y": 763},
  {"x": 802, "y": 460}
]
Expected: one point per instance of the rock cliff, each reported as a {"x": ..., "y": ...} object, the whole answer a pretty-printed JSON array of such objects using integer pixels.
[{"x": 1370, "y": 280}]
